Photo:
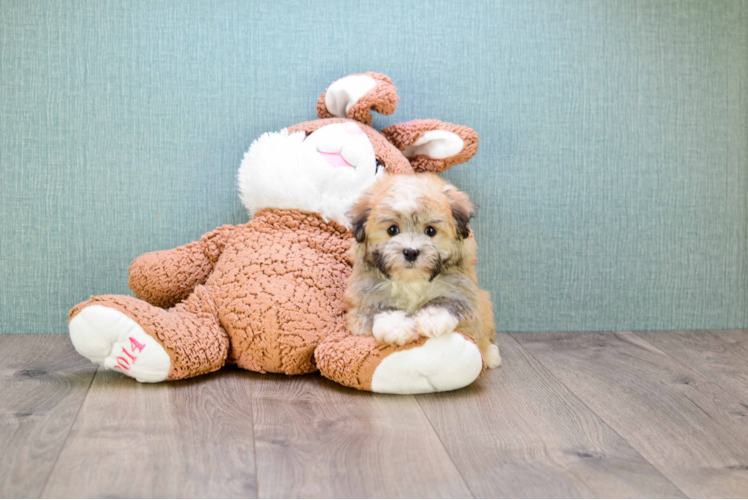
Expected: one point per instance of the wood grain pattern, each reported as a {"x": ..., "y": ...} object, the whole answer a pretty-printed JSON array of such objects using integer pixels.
[
  {"x": 518, "y": 432},
  {"x": 685, "y": 425},
  {"x": 315, "y": 438},
  {"x": 569, "y": 414},
  {"x": 707, "y": 353},
  {"x": 737, "y": 339},
  {"x": 179, "y": 439},
  {"x": 43, "y": 382}
]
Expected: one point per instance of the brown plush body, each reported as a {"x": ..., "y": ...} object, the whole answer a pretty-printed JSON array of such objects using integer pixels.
[
  {"x": 268, "y": 295},
  {"x": 267, "y": 292}
]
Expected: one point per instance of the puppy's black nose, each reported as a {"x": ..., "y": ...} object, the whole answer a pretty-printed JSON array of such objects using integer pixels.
[{"x": 411, "y": 254}]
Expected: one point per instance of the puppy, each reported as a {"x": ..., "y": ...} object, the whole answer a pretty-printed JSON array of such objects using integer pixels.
[{"x": 414, "y": 271}]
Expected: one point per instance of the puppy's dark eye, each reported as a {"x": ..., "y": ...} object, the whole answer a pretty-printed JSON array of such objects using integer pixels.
[
  {"x": 379, "y": 166},
  {"x": 393, "y": 230},
  {"x": 430, "y": 231}
]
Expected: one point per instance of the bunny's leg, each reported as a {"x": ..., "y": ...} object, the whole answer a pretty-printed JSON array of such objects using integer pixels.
[
  {"x": 147, "y": 343},
  {"x": 444, "y": 363}
]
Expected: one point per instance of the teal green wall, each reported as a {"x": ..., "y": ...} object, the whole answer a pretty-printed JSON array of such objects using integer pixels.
[{"x": 612, "y": 175}]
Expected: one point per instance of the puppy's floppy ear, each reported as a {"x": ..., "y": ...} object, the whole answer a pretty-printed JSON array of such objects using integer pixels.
[
  {"x": 359, "y": 214},
  {"x": 433, "y": 145},
  {"x": 462, "y": 210},
  {"x": 354, "y": 96}
]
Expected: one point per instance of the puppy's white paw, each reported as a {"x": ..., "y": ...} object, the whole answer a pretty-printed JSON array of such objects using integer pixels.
[
  {"x": 435, "y": 322},
  {"x": 113, "y": 340},
  {"x": 394, "y": 328},
  {"x": 493, "y": 358}
]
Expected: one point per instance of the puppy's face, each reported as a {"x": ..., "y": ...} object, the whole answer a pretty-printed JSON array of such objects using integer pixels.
[{"x": 411, "y": 227}]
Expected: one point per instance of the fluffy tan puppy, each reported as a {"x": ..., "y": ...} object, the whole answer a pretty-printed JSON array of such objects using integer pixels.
[{"x": 414, "y": 271}]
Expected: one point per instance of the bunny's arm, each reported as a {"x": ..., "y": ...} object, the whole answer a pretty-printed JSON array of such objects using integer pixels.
[{"x": 167, "y": 277}]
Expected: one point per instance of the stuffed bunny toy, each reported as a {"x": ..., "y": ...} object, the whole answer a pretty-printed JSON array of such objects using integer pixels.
[{"x": 268, "y": 295}]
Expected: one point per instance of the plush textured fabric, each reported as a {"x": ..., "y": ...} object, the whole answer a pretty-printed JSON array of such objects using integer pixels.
[
  {"x": 389, "y": 155},
  {"x": 404, "y": 134},
  {"x": 304, "y": 171},
  {"x": 382, "y": 99},
  {"x": 190, "y": 332},
  {"x": 167, "y": 277},
  {"x": 611, "y": 176},
  {"x": 352, "y": 360},
  {"x": 107, "y": 336},
  {"x": 275, "y": 289},
  {"x": 279, "y": 289}
]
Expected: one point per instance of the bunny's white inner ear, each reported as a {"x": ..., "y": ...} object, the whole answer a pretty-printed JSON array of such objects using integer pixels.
[
  {"x": 344, "y": 93},
  {"x": 436, "y": 144}
]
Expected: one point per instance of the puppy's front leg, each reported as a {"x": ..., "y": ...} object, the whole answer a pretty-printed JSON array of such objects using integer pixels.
[
  {"x": 394, "y": 328},
  {"x": 387, "y": 324},
  {"x": 440, "y": 317},
  {"x": 361, "y": 318}
]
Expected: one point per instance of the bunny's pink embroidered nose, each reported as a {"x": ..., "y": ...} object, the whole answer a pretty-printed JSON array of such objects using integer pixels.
[
  {"x": 335, "y": 159},
  {"x": 352, "y": 128}
]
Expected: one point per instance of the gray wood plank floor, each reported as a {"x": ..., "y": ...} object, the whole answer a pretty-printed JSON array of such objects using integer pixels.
[
  {"x": 653, "y": 414},
  {"x": 692, "y": 430},
  {"x": 43, "y": 382},
  {"x": 184, "y": 439},
  {"x": 520, "y": 433}
]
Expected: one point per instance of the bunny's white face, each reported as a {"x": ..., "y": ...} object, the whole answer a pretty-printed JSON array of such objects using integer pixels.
[
  {"x": 324, "y": 172},
  {"x": 340, "y": 156}
]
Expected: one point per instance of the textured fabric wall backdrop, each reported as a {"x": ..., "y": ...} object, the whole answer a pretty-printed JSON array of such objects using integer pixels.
[{"x": 612, "y": 175}]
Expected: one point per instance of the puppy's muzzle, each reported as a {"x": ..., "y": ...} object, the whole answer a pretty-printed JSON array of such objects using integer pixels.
[{"x": 411, "y": 254}]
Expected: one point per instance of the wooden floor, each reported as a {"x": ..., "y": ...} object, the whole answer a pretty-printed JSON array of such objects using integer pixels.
[{"x": 661, "y": 414}]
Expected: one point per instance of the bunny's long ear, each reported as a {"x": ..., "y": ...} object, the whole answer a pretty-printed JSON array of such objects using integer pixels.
[
  {"x": 433, "y": 145},
  {"x": 354, "y": 96}
]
